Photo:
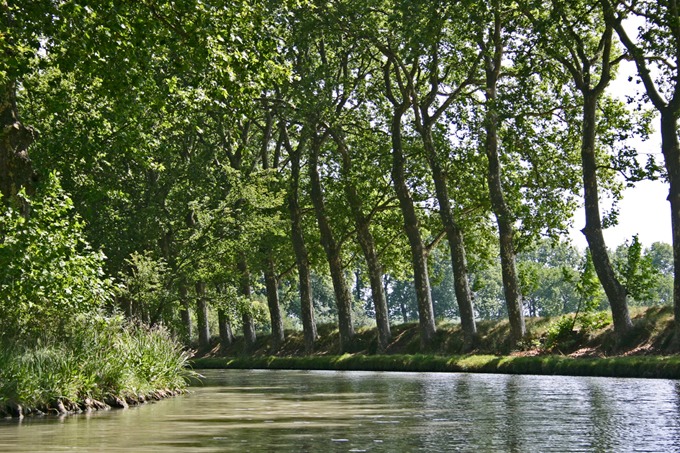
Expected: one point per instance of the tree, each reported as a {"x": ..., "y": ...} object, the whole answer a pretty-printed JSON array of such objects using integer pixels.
[
  {"x": 366, "y": 240},
  {"x": 584, "y": 45},
  {"x": 656, "y": 53},
  {"x": 449, "y": 70},
  {"x": 298, "y": 240},
  {"x": 492, "y": 44}
]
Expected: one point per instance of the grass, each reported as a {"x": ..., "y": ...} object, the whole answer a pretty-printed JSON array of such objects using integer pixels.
[
  {"x": 98, "y": 360},
  {"x": 647, "y": 351},
  {"x": 630, "y": 366}
]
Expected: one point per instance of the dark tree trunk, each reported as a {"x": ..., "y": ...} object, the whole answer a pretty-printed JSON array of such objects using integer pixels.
[
  {"x": 616, "y": 292},
  {"x": 275, "y": 317},
  {"x": 671, "y": 153},
  {"x": 404, "y": 311},
  {"x": 226, "y": 334},
  {"x": 412, "y": 226},
  {"x": 359, "y": 285},
  {"x": 504, "y": 216},
  {"x": 246, "y": 316},
  {"x": 367, "y": 244},
  {"x": 16, "y": 170},
  {"x": 202, "y": 317},
  {"x": 669, "y": 109},
  {"x": 454, "y": 235},
  {"x": 185, "y": 316},
  {"x": 300, "y": 249},
  {"x": 343, "y": 297}
]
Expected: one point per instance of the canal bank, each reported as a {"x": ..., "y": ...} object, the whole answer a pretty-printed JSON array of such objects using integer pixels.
[
  {"x": 665, "y": 367},
  {"x": 650, "y": 350}
]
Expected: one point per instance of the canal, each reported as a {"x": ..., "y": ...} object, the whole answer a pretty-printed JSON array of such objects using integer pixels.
[{"x": 317, "y": 411}]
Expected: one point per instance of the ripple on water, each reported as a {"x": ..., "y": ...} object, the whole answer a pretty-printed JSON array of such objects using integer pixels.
[{"x": 386, "y": 412}]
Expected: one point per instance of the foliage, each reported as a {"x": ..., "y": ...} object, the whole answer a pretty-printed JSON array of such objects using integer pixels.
[
  {"x": 174, "y": 124},
  {"x": 49, "y": 272},
  {"x": 144, "y": 287},
  {"x": 588, "y": 316},
  {"x": 636, "y": 270}
]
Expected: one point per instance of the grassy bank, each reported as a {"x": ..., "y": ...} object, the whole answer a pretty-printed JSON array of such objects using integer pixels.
[
  {"x": 631, "y": 366},
  {"x": 649, "y": 350},
  {"x": 97, "y": 363}
]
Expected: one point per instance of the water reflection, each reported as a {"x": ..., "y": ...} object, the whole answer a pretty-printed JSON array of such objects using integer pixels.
[{"x": 355, "y": 411}]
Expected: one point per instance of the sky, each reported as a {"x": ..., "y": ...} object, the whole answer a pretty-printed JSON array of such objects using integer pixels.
[{"x": 644, "y": 209}]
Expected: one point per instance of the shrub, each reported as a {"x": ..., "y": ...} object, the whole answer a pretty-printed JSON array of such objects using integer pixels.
[{"x": 49, "y": 272}]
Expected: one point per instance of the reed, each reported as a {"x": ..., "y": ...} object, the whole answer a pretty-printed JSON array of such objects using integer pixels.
[{"x": 99, "y": 359}]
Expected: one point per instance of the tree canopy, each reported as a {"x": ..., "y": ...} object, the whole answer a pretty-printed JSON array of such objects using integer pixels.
[{"x": 229, "y": 157}]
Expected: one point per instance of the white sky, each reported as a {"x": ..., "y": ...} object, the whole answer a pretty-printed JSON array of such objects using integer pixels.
[{"x": 644, "y": 209}]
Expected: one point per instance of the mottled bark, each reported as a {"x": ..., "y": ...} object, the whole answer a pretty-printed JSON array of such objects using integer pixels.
[
  {"x": 332, "y": 250},
  {"x": 367, "y": 243},
  {"x": 616, "y": 292},
  {"x": 504, "y": 216},
  {"x": 412, "y": 227},
  {"x": 272, "y": 286},
  {"x": 300, "y": 249},
  {"x": 454, "y": 234},
  {"x": 202, "y": 317},
  {"x": 246, "y": 316},
  {"x": 671, "y": 153}
]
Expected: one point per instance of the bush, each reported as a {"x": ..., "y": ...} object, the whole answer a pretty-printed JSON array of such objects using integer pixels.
[{"x": 49, "y": 272}]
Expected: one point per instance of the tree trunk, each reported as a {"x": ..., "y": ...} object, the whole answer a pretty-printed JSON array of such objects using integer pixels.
[
  {"x": 671, "y": 154},
  {"x": 343, "y": 297},
  {"x": 616, "y": 292},
  {"x": 367, "y": 244},
  {"x": 412, "y": 226},
  {"x": 246, "y": 316},
  {"x": 272, "y": 287},
  {"x": 185, "y": 316},
  {"x": 456, "y": 244},
  {"x": 503, "y": 214},
  {"x": 300, "y": 249},
  {"x": 226, "y": 334},
  {"x": 202, "y": 317},
  {"x": 668, "y": 107},
  {"x": 16, "y": 170}
]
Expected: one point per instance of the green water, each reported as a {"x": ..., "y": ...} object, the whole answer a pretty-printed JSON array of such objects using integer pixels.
[{"x": 282, "y": 411}]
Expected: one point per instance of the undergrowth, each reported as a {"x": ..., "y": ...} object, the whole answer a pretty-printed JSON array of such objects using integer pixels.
[{"x": 98, "y": 358}]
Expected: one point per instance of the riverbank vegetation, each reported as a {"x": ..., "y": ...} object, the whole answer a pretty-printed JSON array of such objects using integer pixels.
[
  {"x": 61, "y": 349},
  {"x": 653, "y": 334},
  {"x": 102, "y": 363},
  {"x": 650, "y": 350},
  {"x": 266, "y": 167},
  {"x": 634, "y": 367}
]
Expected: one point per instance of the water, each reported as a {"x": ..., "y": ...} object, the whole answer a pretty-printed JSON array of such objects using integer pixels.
[{"x": 382, "y": 412}]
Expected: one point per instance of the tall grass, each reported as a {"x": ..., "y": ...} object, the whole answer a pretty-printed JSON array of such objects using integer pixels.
[{"x": 98, "y": 358}]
